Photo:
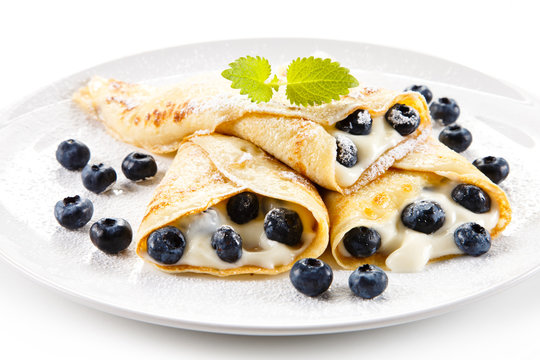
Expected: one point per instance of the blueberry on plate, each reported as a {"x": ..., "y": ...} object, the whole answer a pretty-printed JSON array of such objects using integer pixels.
[
  {"x": 471, "y": 197},
  {"x": 403, "y": 118},
  {"x": 423, "y": 216},
  {"x": 227, "y": 243},
  {"x": 357, "y": 123},
  {"x": 284, "y": 226},
  {"x": 445, "y": 110},
  {"x": 166, "y": 245},
  {"x": 472, "y": 239},
  {"x": 98, "y": 178},
  {"x": 73, "y": 212},
  {"x": 456, "y": 138},
  {"x": 138, "y": 166},
  {"x": 311, "y": 276},
  {"x": 422, "y": 89},
  {"x": 72, "y": 154},
  {"x": 347, "y": 153},
  {"x": 495, "y": 168},
  {"x": 368, "y": 281},
  {"x": 111, "y": 235},
  {"x": 362, "y": 241},
  {"x": 243, "y": 207}
]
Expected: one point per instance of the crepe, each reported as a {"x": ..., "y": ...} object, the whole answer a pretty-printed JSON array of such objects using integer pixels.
[
  {"x": 208, "y": 170},
  {"x": 430, "y": 171},
  {"x": 158, "y": 118}
]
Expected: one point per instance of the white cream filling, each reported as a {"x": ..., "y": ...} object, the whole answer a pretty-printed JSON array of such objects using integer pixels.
[
  {"x": 409, "y": 250},
  {"x": 370, "y": 147},
  {"x": 257, "y": 249}
]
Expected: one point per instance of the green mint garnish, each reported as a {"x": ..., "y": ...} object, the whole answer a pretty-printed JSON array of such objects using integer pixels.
[{"x": 310, "y": 81}]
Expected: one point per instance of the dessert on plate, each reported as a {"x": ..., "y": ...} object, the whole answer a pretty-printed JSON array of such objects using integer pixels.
[
  {"x": 340, "y": 145},
  {"x": 225, "y": 207}
]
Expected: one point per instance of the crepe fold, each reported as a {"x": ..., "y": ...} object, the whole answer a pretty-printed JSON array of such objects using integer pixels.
[
  {"x": 211, "y": 168},
  {"x": 158, "y": 118},
  {"x": 431, "y": 164}
]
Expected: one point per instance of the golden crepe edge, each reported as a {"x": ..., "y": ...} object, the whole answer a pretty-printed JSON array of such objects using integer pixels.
[
  {"x": 430, "y": 160},
  {"x": 211, "y": 168},
  {"x": 157, "y": 119}
]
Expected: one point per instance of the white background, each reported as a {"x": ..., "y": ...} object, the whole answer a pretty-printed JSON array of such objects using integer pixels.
[{"x": 42, "y": 41}]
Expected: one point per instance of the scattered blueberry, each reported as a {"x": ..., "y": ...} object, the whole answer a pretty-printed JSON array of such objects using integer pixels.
[
  {"x": 422, "y": 89},
  {"x": 404, "y": 119},
  {"x": 495, "y": 168},
  {"x": 98, "y": 178},
  {"x": 456, "y": 138},
  {"x": 368, "y": 281},
  {"x": 423, "y": 216},
  {"x": 357, "y": 123},
  {"x": 73, "y": 212},
  {"x": 472, "y": 239},
  {"x": 111, "y": 235},
  {"x": 227, "y": 243},
  {"x": 362, "y": 241},
  {"x": 137, "y": 166},
  {"x": 347, "y": 154},
  {"x": 284, "y": 226},
  {"x": 472, "y": 197},
  {"x": 311, "y": 276},
  {"x": 445, "y": 110},
  {"x": 166, "y": 245},
  {"x": 72, "y": 154},
  {"x": 243, "y": 207}
]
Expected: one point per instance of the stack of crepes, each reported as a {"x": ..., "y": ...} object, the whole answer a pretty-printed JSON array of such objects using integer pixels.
[{"x": 218, "y": 135}]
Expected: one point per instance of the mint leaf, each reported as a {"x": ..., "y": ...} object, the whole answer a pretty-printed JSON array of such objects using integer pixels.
[
  {"x": 314, "y": 81},
  {"x": 310, "y": 81},
  {"x": 249, "y": 74}
]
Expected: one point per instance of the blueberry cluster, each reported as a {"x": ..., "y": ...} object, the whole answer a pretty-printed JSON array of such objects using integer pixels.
[
  {"x": 111, "y": 235},
  {"x": 446, "y": 111},
  {"x": 166, "y": 245},
  {"x": 312, "y": 277}
]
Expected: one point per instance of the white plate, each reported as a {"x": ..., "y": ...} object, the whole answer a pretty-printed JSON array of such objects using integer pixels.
[{"x": 501, "y": 117}]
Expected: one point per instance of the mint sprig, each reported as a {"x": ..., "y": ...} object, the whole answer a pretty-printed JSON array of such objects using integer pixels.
[{"x": 310, "y": 81}]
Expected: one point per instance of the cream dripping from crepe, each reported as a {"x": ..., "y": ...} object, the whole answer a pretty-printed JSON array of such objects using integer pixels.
[
  {"x": 257, "y": 249},
  {"x": 409, "y": 250},
  {"x": 370, "y": 147}
]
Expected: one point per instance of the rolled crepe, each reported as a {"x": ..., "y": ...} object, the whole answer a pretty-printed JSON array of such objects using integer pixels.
[
  {"x": 207, "y": 171},
  {"x": 430, "y": 172},
  {"x": 305, "y": 138}
]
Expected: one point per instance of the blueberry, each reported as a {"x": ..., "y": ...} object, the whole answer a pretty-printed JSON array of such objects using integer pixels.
[
  {"x": 166, "y": 245},
  {"x": 471, "y": 197},
  {"x": 111, "y": 235},
  {"x": 347, "y": 154},
  {"x": 362, "y": 241},
  {"x": 456, "y": 138},
  {"x": 73, "y": 212},
  {"x": 368, "y": 281},
  {"x": 284, "y": 226},
  {"x": 137, "y": 166},
  {"x": 72, "y": 154},
  {"x": 445, "y": 110},
  {"x": 311, "y": 276},
  {"x": 472, "y": 239},
  {"x": 243, "y": 207},
  {"x": 495, "y": 168},
  {"x": 357, "y": 123},
  {"x": 422, "y": 89},
  {"x": 98, "y": 178},
  {"x": 423, "y": 216},
  {"x": 227, "y": 243},
  {"x": 404, "y": 119}
]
